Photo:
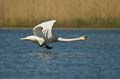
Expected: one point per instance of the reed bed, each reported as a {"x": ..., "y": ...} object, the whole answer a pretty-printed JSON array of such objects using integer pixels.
[{"x": 68, "y": 13}]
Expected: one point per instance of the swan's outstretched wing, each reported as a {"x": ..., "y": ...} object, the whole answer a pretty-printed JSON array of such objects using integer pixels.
[{"x": 44, "y": 29}]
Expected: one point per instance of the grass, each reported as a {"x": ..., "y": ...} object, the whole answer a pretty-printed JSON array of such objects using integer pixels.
[
  {"x": 91, "y": 23},
  {"x": 68, "y": 13},
  {"x": 75, "y": 23}
]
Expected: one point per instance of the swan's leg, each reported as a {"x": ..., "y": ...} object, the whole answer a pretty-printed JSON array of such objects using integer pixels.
[{"x": 46, "y": 46}]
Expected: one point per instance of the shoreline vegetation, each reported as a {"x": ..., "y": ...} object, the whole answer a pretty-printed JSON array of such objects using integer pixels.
[
  {"x": 68, "y": 13},
  {"x": 68, "y": 24},
  {"x": 63, "y": 28}
]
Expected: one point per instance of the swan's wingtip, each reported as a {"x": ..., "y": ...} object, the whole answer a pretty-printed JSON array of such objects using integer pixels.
[{"x": 53, "y": 20}]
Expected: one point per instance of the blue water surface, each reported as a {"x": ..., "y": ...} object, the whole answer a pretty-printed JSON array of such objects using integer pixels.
[{"x": 96, "y": 58}]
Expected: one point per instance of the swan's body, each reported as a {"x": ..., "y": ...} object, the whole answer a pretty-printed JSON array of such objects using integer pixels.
[{"x": 43, "y": 35}]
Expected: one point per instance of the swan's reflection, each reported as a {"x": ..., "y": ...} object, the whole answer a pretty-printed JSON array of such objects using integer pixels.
[
  {"x": 43, "y": 55},
  {"x": 49, "y": 55}
]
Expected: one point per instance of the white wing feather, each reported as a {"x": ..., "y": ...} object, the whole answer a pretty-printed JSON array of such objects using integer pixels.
[{"x": 44, "y": 29}]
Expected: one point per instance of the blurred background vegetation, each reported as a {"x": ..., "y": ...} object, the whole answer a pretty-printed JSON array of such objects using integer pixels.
[{"x": 68, "y": 13}]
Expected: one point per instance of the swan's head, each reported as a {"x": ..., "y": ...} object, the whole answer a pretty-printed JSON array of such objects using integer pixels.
[{"x": 84, "y": 37}]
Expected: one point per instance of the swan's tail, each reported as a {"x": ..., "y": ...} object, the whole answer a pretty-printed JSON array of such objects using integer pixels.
[{"x": 22, "y": 38}]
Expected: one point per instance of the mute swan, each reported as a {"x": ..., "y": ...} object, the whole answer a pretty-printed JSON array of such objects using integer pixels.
[{"x": 43, "y": 35}]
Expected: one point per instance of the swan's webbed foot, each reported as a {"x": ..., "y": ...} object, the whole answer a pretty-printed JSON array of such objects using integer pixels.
[{"x": 46, "y": 46}]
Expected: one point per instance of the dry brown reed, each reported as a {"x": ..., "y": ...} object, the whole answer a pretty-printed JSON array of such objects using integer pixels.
[{"x": 69, "y": 13}]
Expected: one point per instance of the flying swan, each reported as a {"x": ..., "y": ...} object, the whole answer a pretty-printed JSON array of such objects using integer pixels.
[{"x": 43, "y": 35}]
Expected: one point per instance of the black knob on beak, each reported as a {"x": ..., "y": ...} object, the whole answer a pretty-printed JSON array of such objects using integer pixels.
[{"x": 86, "y": 37}]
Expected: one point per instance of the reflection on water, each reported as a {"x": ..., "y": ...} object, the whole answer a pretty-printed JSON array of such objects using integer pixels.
[
  {"x": 93, "y": 59},
  {"x": 42, "y": 54},
  {"x": 45, "y": 56},
  {"x": 49, "y": 54}
]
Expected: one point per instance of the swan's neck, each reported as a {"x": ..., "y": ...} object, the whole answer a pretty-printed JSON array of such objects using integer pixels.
[{"x": 70, "y": 40}]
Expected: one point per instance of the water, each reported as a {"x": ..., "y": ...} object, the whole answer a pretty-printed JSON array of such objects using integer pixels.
[{"x": 96, "y": 58}]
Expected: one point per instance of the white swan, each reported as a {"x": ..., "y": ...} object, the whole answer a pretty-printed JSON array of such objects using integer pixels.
[{"x": 43, "y": 35}]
